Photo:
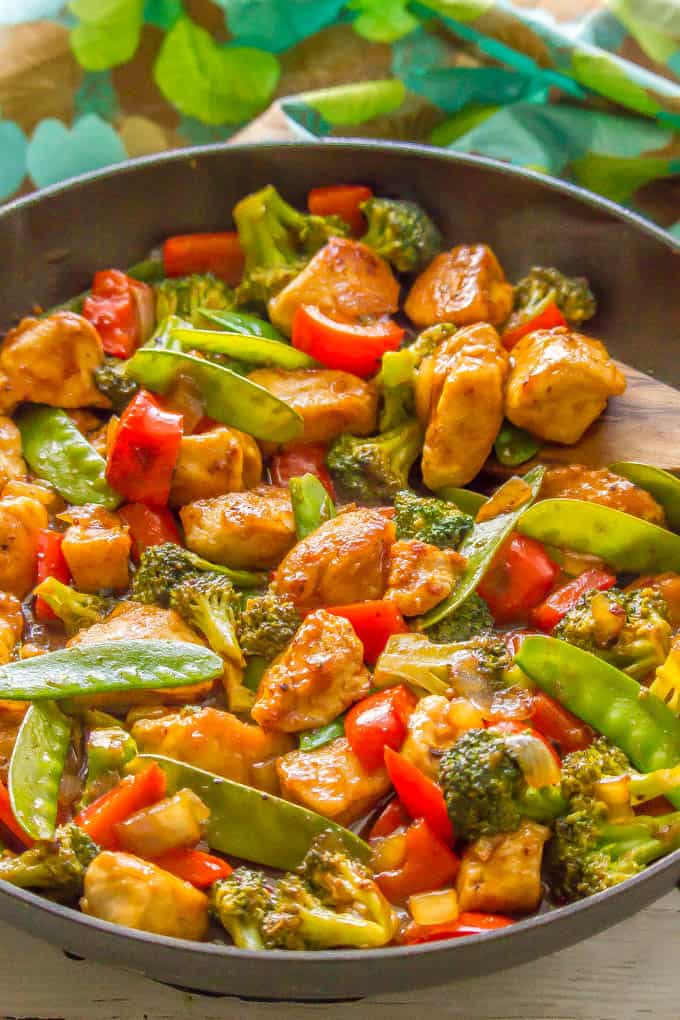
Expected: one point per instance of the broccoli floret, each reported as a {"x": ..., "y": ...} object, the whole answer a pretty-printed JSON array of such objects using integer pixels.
[
  {"x": 401, "y": 232},
  {"x": 603, "y": 771},
  {"x": 184, "y": 295},
  {"x": 58, "y": 865},
  {"x": 74, "y": 609},
  {"x": 163, "y": 567},
  {"x": 628, "y": 629},
  {"x": 430, "y": 520},
  {"x": 543, "y": 286},
  {"x": 472, "y": 619},
  {"x": 267, "y": 626},
  {"x": 277, "y": 241},
  {"x": 240, "y": 903},
  {"x": 485, "y": 789},
  {"x": 374, "y": 469},
  {"x": 395, "y": 380},
  {"x": 111, "y": 379}
]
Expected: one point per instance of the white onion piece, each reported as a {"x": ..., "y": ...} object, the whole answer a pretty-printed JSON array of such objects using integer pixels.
[{"x": 536, "y": 760}]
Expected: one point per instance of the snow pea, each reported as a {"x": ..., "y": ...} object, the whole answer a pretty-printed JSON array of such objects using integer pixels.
[
  {"x": 465, "y": 499},
  {"x": 322, "y": 735},
  {"x": 253, "y": 349},
  {"x": 147, "y": 271},
  {"x": 624, "y": 542},
  {"x": 479, "y": 548},
  {"x": 514, "y": 446},
  {"x": 608, "y": 700},
  {"x": 59, "y": 453},
  {"x": 227, "y": 397},
  {"x": 312, "y": 505},
  {"x": 239, "y": 322},
  {"x": 36, "y": 767},
  {"x": 663, "y": 486},
  {"x": 248, "y": 823},
  {"x": 108, "y": 666}
]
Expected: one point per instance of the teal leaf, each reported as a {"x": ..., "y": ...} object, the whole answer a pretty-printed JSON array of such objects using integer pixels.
[
  {"x": 97, "y": 95},
  {"x": 56, "y": 152},
  {"x": 276, "y": 25},
  {"x": 357, "y": 103},
  {"x": 14, "y": 148},
  {"x": 382, "y": 20},
  {"x": 107, "y": 32},
  {"x": 195, "y": 132},
  {"x": 214, "y": 84},
  {"x": 163, "y": 13}
]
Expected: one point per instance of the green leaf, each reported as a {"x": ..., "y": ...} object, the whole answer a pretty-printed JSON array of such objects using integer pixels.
[
  {"x": 107, "y": 33},
  {"x": 354, "y": 104},
  {"x": 603, "y": 74},
  {"x": 36, "y": 767},
  {"x": 459, "y": 10},
  {"x": 214, "y": 84},
  {"x": 618, "y": 178},
  {"x": 382, "y": 20}
]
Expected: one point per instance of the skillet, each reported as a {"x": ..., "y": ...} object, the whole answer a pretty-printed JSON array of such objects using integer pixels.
[{"x": 51, "y": 244}]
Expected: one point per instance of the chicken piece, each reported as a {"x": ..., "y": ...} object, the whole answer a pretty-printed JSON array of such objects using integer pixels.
[
  {"x": 184, "y": 397},
  {"x": 331, "y": 781},
  {"x": 135, "y": 620},
  {"x": 252, "y": 529},
  {"x": 502, "y": 874},
  {"x": 97, "y": 549},
  {"x": 421, "y": 575},
  {"x": 11, "y": 625},
  {"x": 329, "y": 402},
  {"x": 345, "y": 279},
  {"x": 22, "y": 517},
  {"x": 137, "y": 894},
  {"x": 560, "y": 383},
  {"x": 459, "y": 397},
  {"x": 464, "y": 285},
  {"x": 212, "y": 463},
  {"x": 12, "y": 463},
  {"x": 52, "y": 361},
  {"x": 435, "y": 725},
  {"x": 574, "y": 481},
  {"x": 318, "y": 676},
  {"x": 345, "y": 560},
  {"x": 217, "y": 741}
]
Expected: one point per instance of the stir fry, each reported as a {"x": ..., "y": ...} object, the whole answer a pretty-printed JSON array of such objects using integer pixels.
[{"x": 280, "y": 662}]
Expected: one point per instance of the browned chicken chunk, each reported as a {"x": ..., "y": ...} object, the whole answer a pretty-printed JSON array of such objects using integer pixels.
[
  {"x": 97, "y": 549},
  {"x": 502, "y": 874},
  {"x": 345, "y": 560},
  {"x": 421, "y": 575},
  {"x": 12, "y": 463},
  {"x": 464, "y": 285},
  {"x": 11, "y": 625},
  {"x": 345, "y": 279},
  {"x": 22, "y": 517},
  {"x": 318, "y": 676},
  {"x": 574, "y": 481},
  {"x": 560, "y": 383},
  {"x": 331, "y": 781},
  {"x": 212, "y": 463},
  {"x": 435, "y": 725}
]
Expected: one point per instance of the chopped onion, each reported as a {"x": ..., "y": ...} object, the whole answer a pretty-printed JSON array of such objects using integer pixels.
[
  {"x": 437, "y": 907},
  {"x": 536, "y": 760},
  {"x": 168, "y": 825},
  {"x": 388, "y": 852}
]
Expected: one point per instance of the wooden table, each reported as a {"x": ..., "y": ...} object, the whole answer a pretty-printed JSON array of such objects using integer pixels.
[{"x": 629, "y": 972}]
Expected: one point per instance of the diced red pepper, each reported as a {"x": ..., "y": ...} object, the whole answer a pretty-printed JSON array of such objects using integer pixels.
[
  {"x": 301, "y": 459},
  {"x": 99, "y": 819},
  {"x": 8, "y": 820},
  {"x": 349, "y": 347},
  {"x": 420, "y": 795},
  {"x": 428, "y": 864},
  {"x": 390, "y": 818},
  {"x": 377, "y": 722},
  {"x": 121, "y": 310},
  {"x": 342, "y": 200},
  {"x": 51, "y": 563},
  {"x": 519, "y": 577},
  {"x": 194, "y": 866},
  {"x": 469, "y": 922},
  {"x": 217, "y": 253},
  {"x": 148, "y": 527},
  {"x": 144, "y": 451},
  {"x": 549, "y": 318},
  {"x": 549, "y": 613},
  {"x": 557, "y": 723},
  {"x": 374, "y": 622}
]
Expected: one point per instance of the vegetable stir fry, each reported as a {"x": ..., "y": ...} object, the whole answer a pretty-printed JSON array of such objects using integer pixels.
[{"x": 270, "y": 670}]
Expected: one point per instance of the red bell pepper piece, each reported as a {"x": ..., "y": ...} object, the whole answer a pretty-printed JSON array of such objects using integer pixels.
[
  {"x": 194, "y": 866},
  {"x": 342, "y": 200},
  {"x": 469, "y": 922},
  {"x": 8, "y": 820},
  {"x": 349, "y": 347},
  {"x": 218, "y": 253},
  {"x": 558, "y": 724},
  {"x": 121, "y": 310},
  {"x": 100, "y": 818},
  {"x": 420, "y": 795},
  {"x": 520, "y": 576},
  {"x": 374, "y": 622},
  {"x": 298, "y": 460},
  {"x": 51, "y": 563},
  {"x": 549, "y": 318},
  {"x": 149, "y": 527},
  {"x": 428, "y": 864},
  {"x": 390, "y": 818},
  {"x": 549, "y": 613},
  {"x": 377, "y": 722},
  {"x": 144, "y": 451}
]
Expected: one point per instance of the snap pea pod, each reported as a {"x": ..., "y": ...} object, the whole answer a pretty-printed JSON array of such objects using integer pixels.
[
  {"x": 248, "y": 823},
  {"x": 148, "y": 271},
  {"x": 256, "y": 350},
  {"x": 663, "y": 486},
  {"x": 479, "y": 547},
  {"x": 36, "y": 768},
  {"x": 514, "y": 446},
  {"x": 312, "y": 505},
  {"x": 56, "y": 451},
  {"x": 108, "y": 666},
  {"x": 227, "y": 397},
  {"x": 608, "y": 700},
  {"x": 465, "y": 499},
  {"x": 322, "y": 735},
  {"x": 624, "y": 542},
  {"x": 240, "y": 322}
]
